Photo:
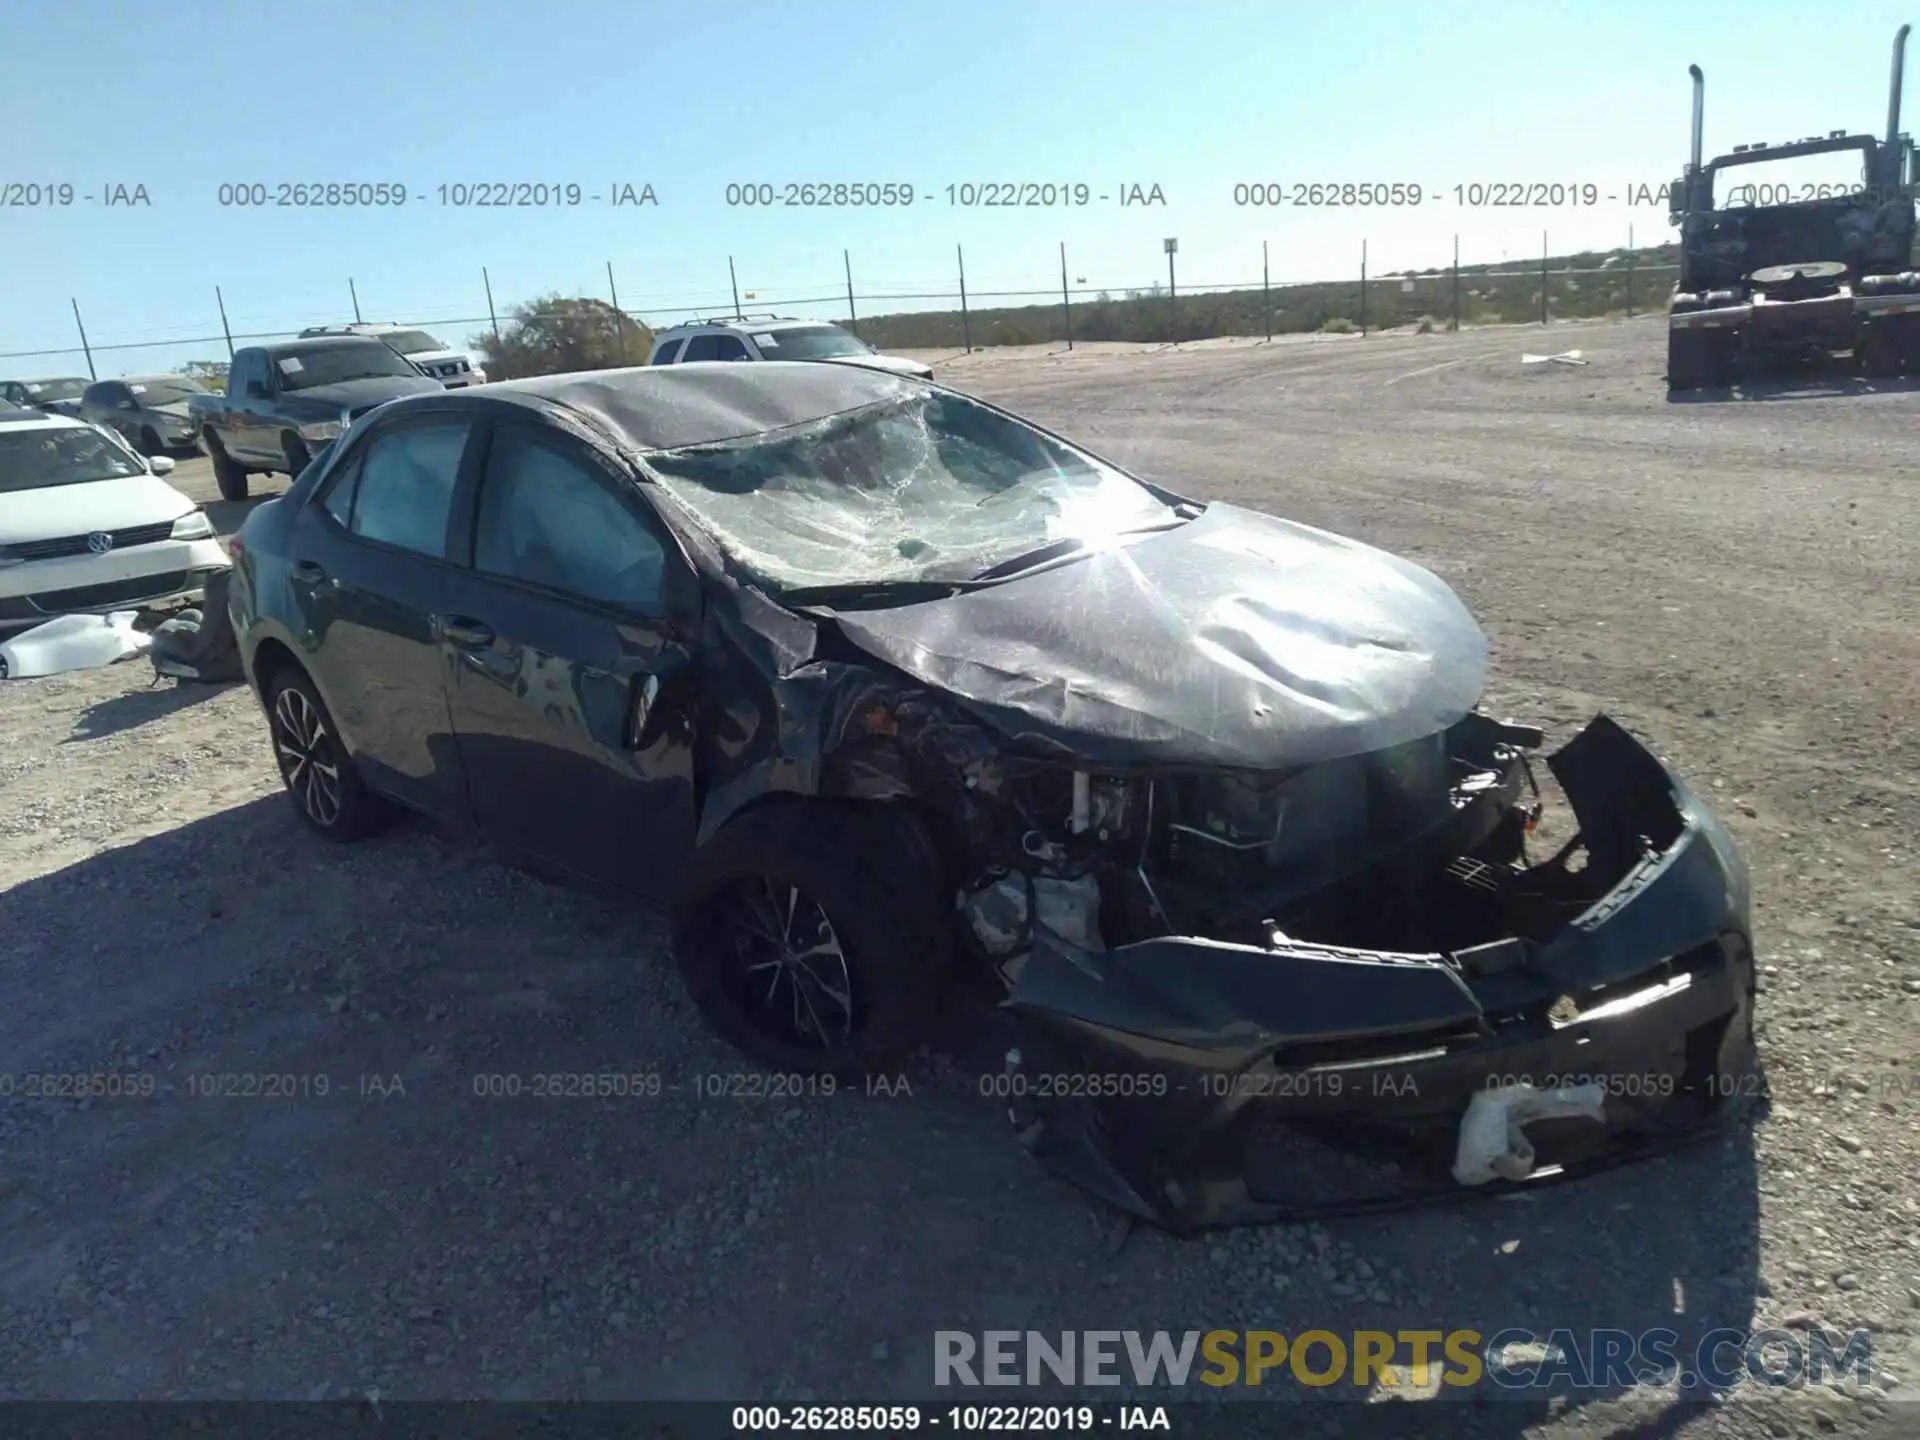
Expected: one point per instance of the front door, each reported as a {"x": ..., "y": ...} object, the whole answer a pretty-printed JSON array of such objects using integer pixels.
[
  {"x": 369, "y": 564},
  {"x": 552, "y": 636}
]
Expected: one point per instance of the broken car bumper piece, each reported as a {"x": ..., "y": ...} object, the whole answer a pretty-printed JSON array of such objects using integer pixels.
[{"x": 1194, "y": 1083}]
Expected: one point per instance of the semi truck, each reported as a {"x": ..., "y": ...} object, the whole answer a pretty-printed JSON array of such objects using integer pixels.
[{"x": 1781, "y": 276}]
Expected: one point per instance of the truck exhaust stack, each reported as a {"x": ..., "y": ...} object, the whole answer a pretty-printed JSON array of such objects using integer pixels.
[
  {"x": 1893, "y": 89},
  {"x": 1700, "y": 109}
]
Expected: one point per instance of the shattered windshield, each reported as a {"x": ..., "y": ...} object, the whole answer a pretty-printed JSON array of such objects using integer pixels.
[{"x": 922, "y": 487}]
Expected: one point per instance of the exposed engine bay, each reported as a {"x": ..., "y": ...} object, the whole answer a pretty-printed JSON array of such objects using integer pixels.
[{"x": 1419, "y": 846}]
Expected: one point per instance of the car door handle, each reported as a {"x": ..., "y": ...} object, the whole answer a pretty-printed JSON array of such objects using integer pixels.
[
  {"x": 308, "y": 571},
  {"x": 468, "y": 634}
]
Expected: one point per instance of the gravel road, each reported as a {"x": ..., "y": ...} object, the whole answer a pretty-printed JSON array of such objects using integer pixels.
[{"x": 1735, "y": 581}]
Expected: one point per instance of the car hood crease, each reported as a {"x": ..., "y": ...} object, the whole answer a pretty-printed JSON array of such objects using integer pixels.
[{"x": 1237, "y": 640}]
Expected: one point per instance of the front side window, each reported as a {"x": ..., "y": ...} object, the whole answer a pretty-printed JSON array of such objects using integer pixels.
[
  {"x": 666, "y": 353},
  {"x": 37, "y": 457},
  {"x": 730, "y": 348},
  {"x": 547, "y": 519},
  {"x": 701, "y": 347},
  {"x": 405, "y": 486}
]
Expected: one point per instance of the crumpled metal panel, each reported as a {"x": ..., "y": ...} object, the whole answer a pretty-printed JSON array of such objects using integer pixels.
[{"x": 1238, "y": 639}]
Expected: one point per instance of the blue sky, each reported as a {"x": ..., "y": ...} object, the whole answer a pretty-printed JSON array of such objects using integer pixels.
[{"x": 1192, "y": 97}]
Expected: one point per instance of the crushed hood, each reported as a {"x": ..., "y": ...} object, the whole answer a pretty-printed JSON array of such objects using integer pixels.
[{"x": 1238, "y": 639}]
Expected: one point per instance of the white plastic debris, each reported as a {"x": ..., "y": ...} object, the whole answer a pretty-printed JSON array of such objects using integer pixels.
[
  {"x": 1565, "y": 357},
  {"x": 72, "y": 642},
  {"x": 1492, "y": 1144}
]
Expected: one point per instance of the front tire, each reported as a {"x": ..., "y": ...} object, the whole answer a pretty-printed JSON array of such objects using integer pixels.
[
  {"x": 230, "y": 477},
  {"x": 321, "y": 778},
  {"x": 298, "y": 456},
  {"x": 811, "y": 936},
  {"x": 150, "y": 442}
]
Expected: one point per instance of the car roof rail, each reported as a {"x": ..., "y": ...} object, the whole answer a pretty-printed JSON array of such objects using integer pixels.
[{"x": 734, "y": 319}]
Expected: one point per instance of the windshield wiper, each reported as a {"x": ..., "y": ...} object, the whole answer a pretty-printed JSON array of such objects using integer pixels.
[
  {"x": 856, "y": 593},
  {"x": 1065, "y": 548}
]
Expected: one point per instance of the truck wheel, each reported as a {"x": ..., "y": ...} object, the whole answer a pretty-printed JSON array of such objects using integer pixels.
[
  {"x": 228, "y": 475},
  {"x": 813, "y": 938},
  {"x": 298, "y": 456}
]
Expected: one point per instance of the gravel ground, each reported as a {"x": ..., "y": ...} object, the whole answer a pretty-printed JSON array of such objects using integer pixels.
[{"x": 1734, "y": 581}]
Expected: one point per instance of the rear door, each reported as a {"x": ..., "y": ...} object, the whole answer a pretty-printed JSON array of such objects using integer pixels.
[
  {"x": 370, "y": 570},
  {"x": 575, "y": 600}
]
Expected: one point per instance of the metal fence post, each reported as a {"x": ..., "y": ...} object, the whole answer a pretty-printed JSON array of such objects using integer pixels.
[
  {"x": 356, "y": 300},
  {"x": 1363, "y": 289},
  {"x": 619, "y": 325},
  {"x": 966, "y": 326},
  {"x": 1266, "y": 294},
  {"x": 1543, "y": 277},
  {"x": 492, "y": 318},
  {"x": 1173, "y": 303},
  {"x": 735, "y": 281},
  {"x": 91, "y": 372},
  {"x": 853, "y": 320},
  {"x": 1629, "y": 272},
  {"x": 1456, "y": 282},
  {"x": 225, "y": 328},
  {"x": 1066, "y": 305}
]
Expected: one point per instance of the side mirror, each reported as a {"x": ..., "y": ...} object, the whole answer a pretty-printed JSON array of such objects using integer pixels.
[
  {"x": 660, "y": 699},
  {"x": 160, "y": 464}
]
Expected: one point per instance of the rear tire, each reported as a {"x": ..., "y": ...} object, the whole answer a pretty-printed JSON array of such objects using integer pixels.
[
  {"x": 321, "y": 778},
  {"x": 812, "y": 936},
  {"x": 231, "y": 479},
  {"x": 298, "y": 456}
]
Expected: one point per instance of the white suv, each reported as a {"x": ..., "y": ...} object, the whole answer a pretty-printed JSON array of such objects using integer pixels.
[
  {"x": 87, "y": 526},
  {"x": 454, "y": 369},
  {"x": 772, "y": 337}
]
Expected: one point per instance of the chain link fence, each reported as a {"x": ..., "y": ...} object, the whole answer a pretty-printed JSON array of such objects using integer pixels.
[{"x": 1622, "y": 282}]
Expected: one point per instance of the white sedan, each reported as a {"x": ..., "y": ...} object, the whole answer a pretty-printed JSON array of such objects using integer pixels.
[{"x": 87, "y": 526}]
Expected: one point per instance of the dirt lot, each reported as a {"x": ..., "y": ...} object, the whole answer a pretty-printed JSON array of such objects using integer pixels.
[{"x": 1737, "y": 581}]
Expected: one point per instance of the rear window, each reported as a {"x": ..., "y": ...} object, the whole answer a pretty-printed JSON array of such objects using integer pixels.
[{"x": 40, "y": 457}]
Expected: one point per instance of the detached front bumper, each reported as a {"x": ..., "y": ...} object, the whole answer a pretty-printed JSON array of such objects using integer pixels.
[{"x": 1195, "y": 1083}]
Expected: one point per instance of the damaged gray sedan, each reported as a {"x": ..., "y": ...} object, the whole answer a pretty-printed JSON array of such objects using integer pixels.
[{"x": 885, "y": 689}]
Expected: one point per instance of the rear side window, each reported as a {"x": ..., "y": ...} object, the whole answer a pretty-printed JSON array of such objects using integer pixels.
[
  {"x": 667, "y": 352},
  {"x": 702, "y": 347},
  {"x": 403, "y": 492},
  {"x": 547, "y": 518}
]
